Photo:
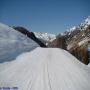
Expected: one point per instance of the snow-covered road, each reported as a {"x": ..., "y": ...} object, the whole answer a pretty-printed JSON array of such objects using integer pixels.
[{"x": 45, "y": 69}]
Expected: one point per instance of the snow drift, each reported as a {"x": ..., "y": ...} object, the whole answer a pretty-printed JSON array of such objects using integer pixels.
[
  {"x": 13, "y": 43},
  {"x": 45, "y": 69}
]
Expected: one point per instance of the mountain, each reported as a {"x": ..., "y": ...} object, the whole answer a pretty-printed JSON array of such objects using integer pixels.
[
  {"x": 45, "y": 69},
  {"x": 77, "y": 40},
  {"x": 83, "y": 26},
  {"x": 45, "y": 37},
  {"x": 79, "y": 32},
  {"x": 86, "y": 23},
  {"x": 68, "y": 39},
  {"x": 13, "y": 43},
  {"x": 30, "y": 35}
]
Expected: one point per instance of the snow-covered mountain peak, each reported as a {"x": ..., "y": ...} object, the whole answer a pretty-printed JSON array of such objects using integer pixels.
[
  {"x": 68, "y": 31},
  {"x": 82, "y": 26},
  {"x": 86, "y": 23},
  {"x": 72, "y": 29},
  {"x": 87, "y": 20},
  {"x": 45, "y": 36}
]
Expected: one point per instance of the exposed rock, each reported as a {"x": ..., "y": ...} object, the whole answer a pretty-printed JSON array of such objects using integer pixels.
[{"x": 30, "y": 35}]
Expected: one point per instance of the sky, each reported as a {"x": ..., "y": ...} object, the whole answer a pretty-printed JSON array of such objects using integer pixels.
[{"x": 52, "y": 16}]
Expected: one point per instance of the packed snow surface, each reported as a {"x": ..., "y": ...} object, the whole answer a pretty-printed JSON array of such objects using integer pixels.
[
  {"x": 45, "y": 69},
  {"x": 89, "y": 65},
  {"x": 13, "y": 43}
]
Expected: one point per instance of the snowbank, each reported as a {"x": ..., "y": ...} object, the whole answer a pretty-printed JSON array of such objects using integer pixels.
[
  {"x": 13, "y": 43},
  {"x": 45, "y": 69},
  {"x": 89, "y": 65}
]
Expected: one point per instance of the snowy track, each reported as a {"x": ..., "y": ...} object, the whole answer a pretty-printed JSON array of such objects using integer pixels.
[{"x": 45, "y": 69}]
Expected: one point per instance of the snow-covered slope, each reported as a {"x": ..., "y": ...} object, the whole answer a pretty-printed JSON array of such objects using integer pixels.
[
  {"x": 89, "y": 65},
  {"x": 13, "y": 43},
  {"x": 85, "y": 23},
  {"x": 45, "y": 69},
  {"x": 45, "y": 36}
]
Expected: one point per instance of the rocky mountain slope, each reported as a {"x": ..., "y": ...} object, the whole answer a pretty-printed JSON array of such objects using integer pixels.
[
  {"x": 29, "y": 34},
  {"x": 78, "y": 41},
  {"x": 77, "y": 34}
]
